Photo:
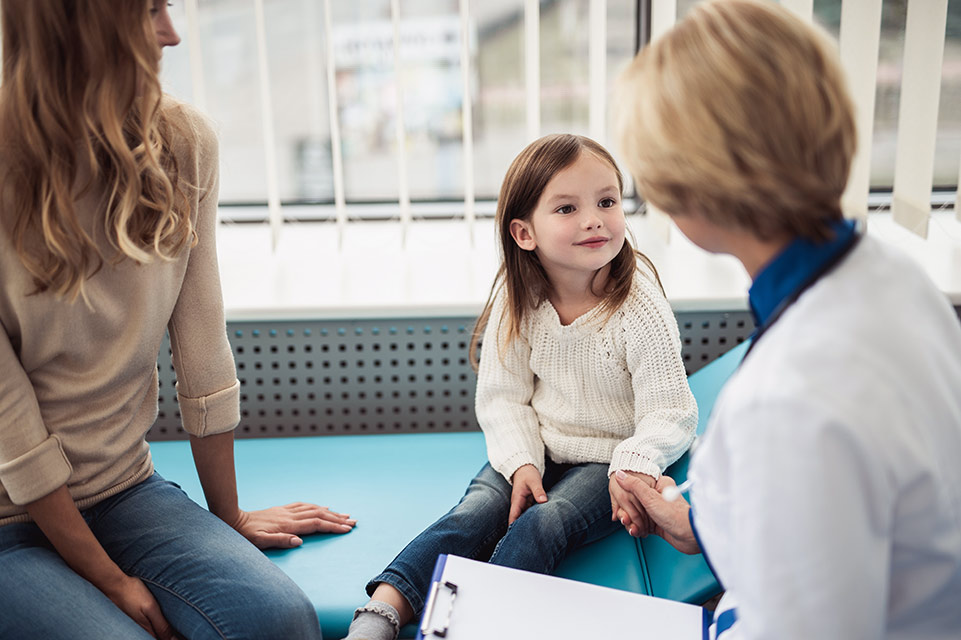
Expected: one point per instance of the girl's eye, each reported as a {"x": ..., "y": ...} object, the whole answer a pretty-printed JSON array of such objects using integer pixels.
[
  {"x": 607, "y": 203},
  {"x": 567, "y": 208}
]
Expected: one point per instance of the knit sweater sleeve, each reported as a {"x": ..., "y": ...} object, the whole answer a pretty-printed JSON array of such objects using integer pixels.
[
  {"x": 32, "y": 461},
  {"x": 208, "y": 391},
  {"x": 505, "y": 385},
  {"x": 665, "y": 412}
]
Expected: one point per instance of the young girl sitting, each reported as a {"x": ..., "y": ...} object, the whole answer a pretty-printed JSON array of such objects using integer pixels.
[{"x": 581, "y": 376}]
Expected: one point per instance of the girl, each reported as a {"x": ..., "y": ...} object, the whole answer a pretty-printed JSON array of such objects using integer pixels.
[
  {"x": 107, "y": 224},
  {"x": 827, "y": 490},
  {"x": 581, "y": 376}
]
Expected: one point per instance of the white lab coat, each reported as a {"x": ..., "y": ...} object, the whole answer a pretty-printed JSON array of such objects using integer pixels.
[{"x": 827, "y": 489}]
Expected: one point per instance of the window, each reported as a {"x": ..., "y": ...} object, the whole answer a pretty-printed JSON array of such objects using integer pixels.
[{"x": 272, "y": 103}]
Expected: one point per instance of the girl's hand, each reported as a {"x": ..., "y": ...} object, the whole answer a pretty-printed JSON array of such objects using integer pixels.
[
  {"x": 669, "y": 519},
  {"x": 281, "y": 527},
  {"x": 527, "y": 488},
  {"x": 626, "y": 508}
]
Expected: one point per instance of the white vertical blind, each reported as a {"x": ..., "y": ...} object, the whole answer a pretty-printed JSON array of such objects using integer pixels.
[
  {"x": 313, "y": 69},
  {"x": 918, "y": 114},
  {"x": 597, "y": 72},
  {"x": 403, "y": 188},
  {"x": 532, "y": 66},
  {"x": 337, "y": 158},
  {"x": 274, "y": 213},
  {"x": 803, "y": 8},
  {"x": 195, "y": 53},
  {"x": 467, "y": 118},
  {"x": 663, "y": 17},
  {"x": 860, "y": 37}
]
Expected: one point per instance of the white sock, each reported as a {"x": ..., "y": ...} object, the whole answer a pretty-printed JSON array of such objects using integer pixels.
[{"x": 374, "y": 621}]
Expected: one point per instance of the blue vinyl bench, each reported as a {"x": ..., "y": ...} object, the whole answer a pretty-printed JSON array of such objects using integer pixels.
[{"x": 395, "y": 485}]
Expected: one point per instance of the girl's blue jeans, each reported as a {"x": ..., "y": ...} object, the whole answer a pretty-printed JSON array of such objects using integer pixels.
[
  {"x": 209, "y": 580},
  {"x": 577, "y": 512}
]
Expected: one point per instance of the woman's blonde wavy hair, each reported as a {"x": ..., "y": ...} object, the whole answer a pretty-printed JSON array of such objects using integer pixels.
[
  {"x": 741, "y": 114},
  {"x": 521, "y": 274},
  {"x": 81, "y": 94}
]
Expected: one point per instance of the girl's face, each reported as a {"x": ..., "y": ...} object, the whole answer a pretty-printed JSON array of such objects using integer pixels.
[
  {"x": 162, "y": 25},
  {"x": 578, "y": 223}
]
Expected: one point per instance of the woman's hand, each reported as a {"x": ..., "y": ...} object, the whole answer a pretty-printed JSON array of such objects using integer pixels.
[
  {"x": 627, "y": 508},
  {"x": 133, "y": 598},
  {"x": 527, "y": 489},
  {"x": 61, "y": 522},
  {"x": 668, "y": 519},
  {"x": 281, "y": 527}
]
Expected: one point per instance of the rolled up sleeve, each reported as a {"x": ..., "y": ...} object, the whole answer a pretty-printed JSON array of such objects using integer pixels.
[
  {"x": 32, "y": 461},
  {"x": 211, "y": 414}
]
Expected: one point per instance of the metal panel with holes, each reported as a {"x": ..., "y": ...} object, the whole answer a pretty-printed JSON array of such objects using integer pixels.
[{"x": 378, "y": 376}]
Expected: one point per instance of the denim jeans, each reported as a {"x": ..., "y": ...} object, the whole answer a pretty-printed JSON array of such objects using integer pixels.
[
  {"x": 209, "y": 580},
  {"x": 577, "y": 512}
]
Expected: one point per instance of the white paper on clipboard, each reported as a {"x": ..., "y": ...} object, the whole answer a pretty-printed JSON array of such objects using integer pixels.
[{"x": 473, "y": 600}]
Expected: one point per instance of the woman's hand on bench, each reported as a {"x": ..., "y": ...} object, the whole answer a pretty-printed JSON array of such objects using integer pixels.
[{"x": 281, "y": 527}]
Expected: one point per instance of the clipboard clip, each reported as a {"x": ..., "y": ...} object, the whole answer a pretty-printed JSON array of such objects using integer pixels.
[{"x": 426, "y": 628}]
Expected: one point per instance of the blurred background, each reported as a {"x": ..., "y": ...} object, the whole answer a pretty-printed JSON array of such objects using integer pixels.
[{"x": 221, "y": 67}]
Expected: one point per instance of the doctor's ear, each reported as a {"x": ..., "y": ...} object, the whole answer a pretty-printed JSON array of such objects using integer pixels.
[{"x": 521, "y": 232}]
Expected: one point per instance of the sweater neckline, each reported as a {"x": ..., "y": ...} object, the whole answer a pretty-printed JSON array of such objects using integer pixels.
[{"x": 578, "y": 323}]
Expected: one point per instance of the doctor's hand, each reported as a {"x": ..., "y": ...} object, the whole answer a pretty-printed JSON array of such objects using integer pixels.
[
  {"x": 668, "y": 519},
  {"x": 625, "y": 507},
  {"x": 281, "y": 527},
  {"x": 527, "y": 489}
]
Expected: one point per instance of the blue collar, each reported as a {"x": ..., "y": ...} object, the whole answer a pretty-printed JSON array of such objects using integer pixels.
[{"x": 794, "y": 268}]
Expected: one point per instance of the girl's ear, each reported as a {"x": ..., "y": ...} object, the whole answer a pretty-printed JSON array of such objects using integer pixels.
[{"x": 521, "y": 232}]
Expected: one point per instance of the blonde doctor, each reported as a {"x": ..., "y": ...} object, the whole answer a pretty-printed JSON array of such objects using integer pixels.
[{"x": 826, "y": 493}]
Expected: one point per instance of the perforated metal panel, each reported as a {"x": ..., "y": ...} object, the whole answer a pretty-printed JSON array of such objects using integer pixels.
[
  {"x": 378, "y": 376},
  {"x": 326, "y": 377},
  {"x": 706, "y": 335}
]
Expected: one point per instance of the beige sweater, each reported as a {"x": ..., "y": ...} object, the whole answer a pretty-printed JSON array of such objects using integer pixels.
[
  {"x": 609, "y": 391},
  {"x": 78, "y": 383}
]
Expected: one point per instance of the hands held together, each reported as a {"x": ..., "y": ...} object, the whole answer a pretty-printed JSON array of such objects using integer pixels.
[{"x": 636, "y": 501}]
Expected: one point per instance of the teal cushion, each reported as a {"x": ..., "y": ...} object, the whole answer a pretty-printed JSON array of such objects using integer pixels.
[{"x": 395, "y": 485}]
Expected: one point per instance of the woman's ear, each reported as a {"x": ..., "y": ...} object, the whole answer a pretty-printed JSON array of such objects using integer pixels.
[{"x": 521, "y": 232}]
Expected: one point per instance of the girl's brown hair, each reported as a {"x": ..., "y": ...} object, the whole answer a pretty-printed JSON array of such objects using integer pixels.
[
  {"x": 81, "y": 96},
  {"x": 520, "y": 274}
]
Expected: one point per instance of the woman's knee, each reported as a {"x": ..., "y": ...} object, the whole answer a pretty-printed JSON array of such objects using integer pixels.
[{"x": 283, "y": 611}]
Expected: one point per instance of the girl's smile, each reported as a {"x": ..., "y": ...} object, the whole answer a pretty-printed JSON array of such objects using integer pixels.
[
  {"x": 593, "y": 243},
  {"x": 580, "y": 208}
]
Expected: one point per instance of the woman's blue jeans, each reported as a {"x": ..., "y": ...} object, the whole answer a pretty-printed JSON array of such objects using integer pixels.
[
  {"x": 209, "y": 580},
  {"x": 577, "y": 512}
]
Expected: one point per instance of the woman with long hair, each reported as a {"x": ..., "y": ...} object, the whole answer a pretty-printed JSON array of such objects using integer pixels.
[{"x": 108, "y": 196}]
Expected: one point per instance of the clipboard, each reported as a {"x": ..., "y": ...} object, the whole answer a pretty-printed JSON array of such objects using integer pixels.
[{"x": 471, "y": 600}]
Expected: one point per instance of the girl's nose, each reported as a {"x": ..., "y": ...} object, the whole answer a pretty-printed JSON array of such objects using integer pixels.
[{"x": 592, "y": 221}]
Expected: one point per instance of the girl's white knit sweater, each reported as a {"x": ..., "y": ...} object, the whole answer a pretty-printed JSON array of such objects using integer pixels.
[{"x": 601, "y": 389}]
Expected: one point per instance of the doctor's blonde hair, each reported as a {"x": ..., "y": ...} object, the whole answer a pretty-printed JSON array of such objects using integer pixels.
[
  {"x": 740, "y": 113},
  {"x": 80, "y": 94}
]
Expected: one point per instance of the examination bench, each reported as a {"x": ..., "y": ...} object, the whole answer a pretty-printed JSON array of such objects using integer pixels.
[{"x": 397, "y": 484}]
